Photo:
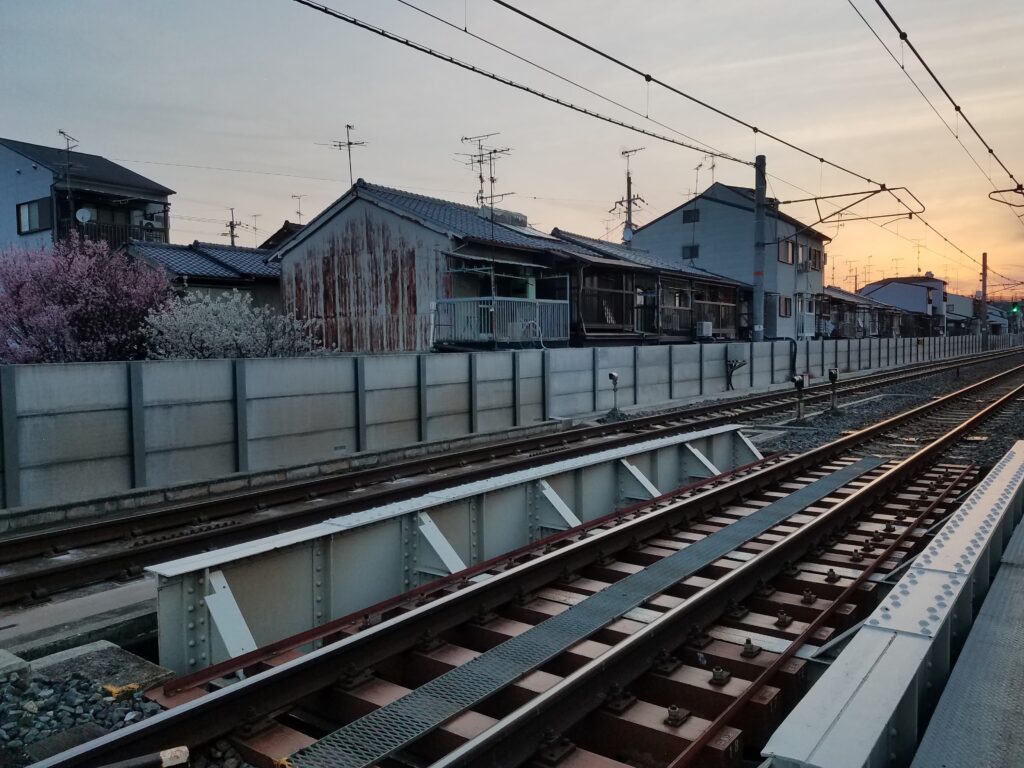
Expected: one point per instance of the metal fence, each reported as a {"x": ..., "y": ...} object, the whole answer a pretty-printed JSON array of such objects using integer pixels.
[{"x": 502, "y": 319}]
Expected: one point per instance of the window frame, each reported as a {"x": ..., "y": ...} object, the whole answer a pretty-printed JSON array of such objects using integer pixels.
[
  {"x": 693, "y": 248},
  {"x": 691, "y": 215},
  {"x": 787, "y": 246},
  {"x": 784, "y": 303},
  {"x": 43, "y": 205}
]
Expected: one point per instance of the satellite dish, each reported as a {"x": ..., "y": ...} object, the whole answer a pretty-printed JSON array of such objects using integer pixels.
[{"x": 83, "y": 215}]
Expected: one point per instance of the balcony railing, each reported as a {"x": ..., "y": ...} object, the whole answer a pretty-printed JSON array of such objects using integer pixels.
[
  {"x": 501, "y": 319},
  {"x": 115, "y": 235}
]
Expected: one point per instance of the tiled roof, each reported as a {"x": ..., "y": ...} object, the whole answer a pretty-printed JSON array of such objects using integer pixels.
[
  {"x": 86, "y": 168},
  {"x": 246, "y": 261},
  {"x": 462, "y": 221},
  {"x": 746, "y": 198},
  {"x": 210, "y": 261},
  {"x": 854, "y": 298},
  {"x": 641, "y": 256}
]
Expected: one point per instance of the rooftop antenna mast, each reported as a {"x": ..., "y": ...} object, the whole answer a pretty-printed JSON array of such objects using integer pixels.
[
  {"x": 485, "y": 157},
  {"x": 70, "y": 142},
  {"x": 347, "y": 145},
  {"x": 298, "y": 199},
  {"x": 255, "y": 231},
  {"x": 628, "y": 201}
]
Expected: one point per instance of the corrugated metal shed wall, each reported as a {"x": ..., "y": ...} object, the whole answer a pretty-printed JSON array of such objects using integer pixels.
[{"x": 368, "y": 277}]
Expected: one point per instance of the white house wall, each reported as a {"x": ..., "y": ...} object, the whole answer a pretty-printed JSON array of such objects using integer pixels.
[
  {"x": 725, "y": 235},
  {"x": 369, "y": 277},
  {"x": 21, "y": 181}
]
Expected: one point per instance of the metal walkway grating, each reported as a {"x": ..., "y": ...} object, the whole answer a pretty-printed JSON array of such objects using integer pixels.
[
  {"x": 371, "y": 738},
  {"x": 978, "y": 719}
]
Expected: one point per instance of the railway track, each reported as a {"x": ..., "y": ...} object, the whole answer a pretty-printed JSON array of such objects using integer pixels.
[
  {"x": 41, "y": 562},
  {"x": 673, "y": 633}
]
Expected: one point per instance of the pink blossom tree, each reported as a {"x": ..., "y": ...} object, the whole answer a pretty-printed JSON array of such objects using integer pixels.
[{"x": 78, "y": 301}]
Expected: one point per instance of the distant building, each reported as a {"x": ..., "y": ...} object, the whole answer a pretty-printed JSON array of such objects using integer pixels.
[
  {"x": 671, "y": 302},
  {"x": 962, "y": 315},
  {"x": 285, "y": 231},
  {"x": 715, "y": 229},
  {"x": 382, "y": 269},
  {"x": 214, "y": 268},
  {"x": 846, "y": 315},
  {"x": 922, "y": 297},
  {"x": 46, "y": 192}
]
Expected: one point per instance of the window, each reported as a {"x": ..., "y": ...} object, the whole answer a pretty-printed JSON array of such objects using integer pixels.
[
  {"x": 785, "y": 306},
  {"x": 816, "y": 258},
  {"x": 786, "y": 252},
  {"x": 802, "y": 255},
  {"x": 34, "y": 216},
  {"x": 691, "y": 216},
  {"x": 691, "y": 251}
]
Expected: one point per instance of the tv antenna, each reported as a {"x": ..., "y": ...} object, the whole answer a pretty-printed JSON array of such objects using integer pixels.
[
  {"x": 347, "y": 145},
  {"x": 255, "y": 231},
  {"x": 628, "y": 201},
  {"x": 298, "y": 199},
  {"x": 485, "y": 157},
  {"x": 70, "y": 142}
]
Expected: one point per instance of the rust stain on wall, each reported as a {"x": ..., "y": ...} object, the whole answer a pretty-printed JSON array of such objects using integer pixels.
[{"x": 367, "y": 283}]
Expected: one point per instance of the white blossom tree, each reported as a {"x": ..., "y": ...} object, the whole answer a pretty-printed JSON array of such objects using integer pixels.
[{"x": 201, "y": 325}]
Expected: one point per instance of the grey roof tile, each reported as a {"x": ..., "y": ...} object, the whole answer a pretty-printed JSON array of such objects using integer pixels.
[
  {"x": 209, "y": 261},
  {"x": 85, "y": 167}
]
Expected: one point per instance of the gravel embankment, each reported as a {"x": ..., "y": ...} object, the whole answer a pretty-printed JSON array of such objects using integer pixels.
[
  {"x": 33, "y": 712},
  {"x": 825, "y": 426}
]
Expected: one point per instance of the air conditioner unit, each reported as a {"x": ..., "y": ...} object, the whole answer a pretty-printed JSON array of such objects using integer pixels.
[{"x": 703, "y": 330}]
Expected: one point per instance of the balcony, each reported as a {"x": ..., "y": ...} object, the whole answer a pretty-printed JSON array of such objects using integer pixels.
[
  {"x": 115, "y": 235},
  {"x": 499, "y": 319}
]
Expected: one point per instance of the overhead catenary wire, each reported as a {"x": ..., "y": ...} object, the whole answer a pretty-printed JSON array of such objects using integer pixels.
[
  {"x": 561, "y": 77},
  {"x": 917, "y": 87},
  {"x": 723, "y": 113},
  {"x": 338, "y": 15},
  {"x": 649, "y": 78},
  {"x": 906, "y": 39}
]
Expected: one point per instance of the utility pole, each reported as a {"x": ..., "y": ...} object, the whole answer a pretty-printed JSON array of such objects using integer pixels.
[
  {"x": 760, "y": 215},
  {"x": 298, "y": 213},
  {"x": 984, "y": 301},
  {"x": 629, "y": 199},
  {"x": 232, "y": 225},
  {"x": 347, "y": 145}
]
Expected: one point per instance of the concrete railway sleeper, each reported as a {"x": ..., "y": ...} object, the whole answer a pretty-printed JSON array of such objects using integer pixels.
[
  {"x": 623, "y": 644},
  {"x": 37, "y": 563}
]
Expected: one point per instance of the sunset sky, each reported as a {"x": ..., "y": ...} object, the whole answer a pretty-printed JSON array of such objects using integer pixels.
[{"x": 184, "y": 91}]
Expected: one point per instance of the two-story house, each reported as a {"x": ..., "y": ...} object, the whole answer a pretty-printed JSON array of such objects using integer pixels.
[
  {"x": 715, "y": 230},
  {"x": 46, "y": 192}
]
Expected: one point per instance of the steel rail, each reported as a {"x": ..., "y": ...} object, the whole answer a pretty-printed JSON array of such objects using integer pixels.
[
  {"x": 517, "y": 736},
  {"x": 273, "y": 690},
  {"x": 692, "y": 751},
  {"x": 124, "y": 561}
]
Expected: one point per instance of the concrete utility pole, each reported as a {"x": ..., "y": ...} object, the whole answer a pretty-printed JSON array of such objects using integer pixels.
[
  {"x": 984, "y": 301},
  {"x": 760, "y": 214},
  {"x": 231, "y": 225}
]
